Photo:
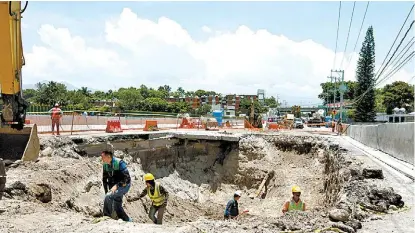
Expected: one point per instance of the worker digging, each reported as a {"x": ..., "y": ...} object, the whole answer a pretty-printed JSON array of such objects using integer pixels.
[
  {"x": 232, "y": 207},
  {"x": 117, "y": 182},
  {"x": 295, "y": 203},
  {"x": 158, "y": 195}
]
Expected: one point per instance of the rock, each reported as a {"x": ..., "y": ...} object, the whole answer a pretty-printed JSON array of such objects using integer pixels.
[
  {"x": 91, "y": 184},
  {"x": 343, "y": 227},
  {"x": 41, "y": 192},
  {"x": 17, "y": 185},
  {"x": 393, "y": 208},
  {"x": 372, "y": 173},
  {"x": 47, "y": 152},
  {"x": 354, "y": 224},
  {"x": 339, "y": 215}
]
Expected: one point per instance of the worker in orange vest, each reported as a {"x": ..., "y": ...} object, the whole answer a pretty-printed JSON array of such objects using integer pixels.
[{"x": 56, "y": 114}]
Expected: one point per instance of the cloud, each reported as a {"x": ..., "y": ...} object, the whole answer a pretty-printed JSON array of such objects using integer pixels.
[
  {"x": 136, "y": 51},
  {"x": 206, "y": 29}
]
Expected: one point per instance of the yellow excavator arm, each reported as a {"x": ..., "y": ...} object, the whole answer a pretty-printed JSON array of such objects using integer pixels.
[
  {"x": 16, "y": 141},
  {"x": 11, "y": 62}
]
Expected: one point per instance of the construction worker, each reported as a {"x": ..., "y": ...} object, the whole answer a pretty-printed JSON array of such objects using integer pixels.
[
  {"x": 117, "y": 182},
  {"x": 56, "y": 114},
  {"x": 295, "y": 203},
  {"x": 232, "y": 209},
  {"x": 158, "y": 195}
]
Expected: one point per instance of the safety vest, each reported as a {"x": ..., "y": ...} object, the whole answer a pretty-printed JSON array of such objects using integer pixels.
[
  {"x": 115, "y": 165},
  {"x": 295, "y": 206},
  {"x": 157, "y": 198},
  {"x": 56, "y": 113}
]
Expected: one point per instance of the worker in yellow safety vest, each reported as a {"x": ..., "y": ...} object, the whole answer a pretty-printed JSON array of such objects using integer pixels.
[
  {"x": 295, "y": 203},
  {"x": 158, "y": 195}
]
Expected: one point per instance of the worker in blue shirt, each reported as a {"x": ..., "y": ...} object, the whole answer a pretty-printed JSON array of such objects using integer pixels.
[
  {"x": 232, "y": 209},
  {"x": 117, "y": 182}
]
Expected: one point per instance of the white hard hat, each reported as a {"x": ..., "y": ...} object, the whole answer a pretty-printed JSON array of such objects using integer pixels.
[
  {"x": 56, "y": 105},
  {"x": 238, "y": 193}
]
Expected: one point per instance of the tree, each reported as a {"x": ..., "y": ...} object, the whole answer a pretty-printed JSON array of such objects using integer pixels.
[
  {"x": 328, "y": 87},
  {"x": 271, "y": 102},
  {"x": 398, "y": 95},
  {"x": 181, "y": 92},
  {"x": 365, "y": 107},
  {"x": 129, "y": 98},
  {"x": 203, "y": 110},
  {"x": 29, "y": 94},
  {"x": 51, "y": 93}
]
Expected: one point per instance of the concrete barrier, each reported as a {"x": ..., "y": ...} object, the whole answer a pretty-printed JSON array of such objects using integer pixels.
[{"x": 395, "y": 139}]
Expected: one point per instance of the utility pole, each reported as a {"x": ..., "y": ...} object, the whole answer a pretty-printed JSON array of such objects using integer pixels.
[
  {"x": 342, "y": 89},
  {"x": 334, "y": 90}
]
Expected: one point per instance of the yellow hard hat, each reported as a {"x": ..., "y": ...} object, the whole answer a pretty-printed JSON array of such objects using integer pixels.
[
  {"x": 148, "y": 177},
  {"x": 296, "y": 189}
]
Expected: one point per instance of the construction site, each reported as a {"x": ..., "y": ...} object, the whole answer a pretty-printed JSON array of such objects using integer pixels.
[
  {"x": 353, "y": 178},
  {"x": 345, "y": 191}
]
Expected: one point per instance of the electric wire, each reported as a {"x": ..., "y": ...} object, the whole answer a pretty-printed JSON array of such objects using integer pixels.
[
  {"x": 358, "y": 36},
  {"x": 348, "y": 34},
  {"x": 377, "y": 75},
  {"x": 337, "y": 34},
  {"x": 397, "y": 36}
]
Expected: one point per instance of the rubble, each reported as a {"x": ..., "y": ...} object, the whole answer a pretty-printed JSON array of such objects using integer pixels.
[{"x": 339, "y": 193}]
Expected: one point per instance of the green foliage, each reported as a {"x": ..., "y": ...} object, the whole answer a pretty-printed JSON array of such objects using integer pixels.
[
  {"x": 271, "y": 102},
  {"x": 129, "y": 98},
  {"x": 398, "y": 95},
  {"x": 328, "y": 94},
  {"x": 296, "y": 110},
  {"x": 203, "y": 110},
  {"x": 365, "y": 74},
  {"x": 51, "y": 93}
]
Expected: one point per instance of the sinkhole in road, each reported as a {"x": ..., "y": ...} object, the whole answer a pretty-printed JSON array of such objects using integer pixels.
[{"x": 202, "y": 174}]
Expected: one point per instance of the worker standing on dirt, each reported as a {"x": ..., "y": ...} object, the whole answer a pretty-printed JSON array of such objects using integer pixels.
[
  {"x": 232, "y": 209},
  {"x": 117, "y": 182},
  {"x": 295, "y": 203},
  {"x": 56, "y": 114},
  {"x": 158, "y": 195}
]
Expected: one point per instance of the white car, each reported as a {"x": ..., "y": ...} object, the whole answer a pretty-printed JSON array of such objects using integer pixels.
[{"x": 298, "y": 123}]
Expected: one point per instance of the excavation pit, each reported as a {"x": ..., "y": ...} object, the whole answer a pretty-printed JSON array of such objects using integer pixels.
[{"x": 201, "y": 173}]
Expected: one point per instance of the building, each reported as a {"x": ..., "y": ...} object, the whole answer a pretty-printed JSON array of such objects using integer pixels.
[{"x": 229, "y": 103}]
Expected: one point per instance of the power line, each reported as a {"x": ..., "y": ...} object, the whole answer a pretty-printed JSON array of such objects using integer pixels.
[
  {"x": 348, "y": 33},
  {"x": 358, "y": 36},
  {"x": 397, "y": 68},
  {"x": 337, "y": 34},
  {"x": 400, "y": 43},
  {"x": 406, "y": 49},
  {"x": 376, "y": 75},
  {"x": 389, "y": 75}
]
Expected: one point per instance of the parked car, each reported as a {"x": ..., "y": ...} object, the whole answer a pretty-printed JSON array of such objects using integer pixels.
[{"x": 298, "y": 123}]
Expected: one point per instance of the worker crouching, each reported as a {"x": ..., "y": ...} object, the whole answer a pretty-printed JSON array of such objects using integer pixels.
[
  {"x": 117, "y": 182},
  {"x": 232, "y": 208},
  {"x": 295, "y": 203},
  {"x": 158, "y": 195}
]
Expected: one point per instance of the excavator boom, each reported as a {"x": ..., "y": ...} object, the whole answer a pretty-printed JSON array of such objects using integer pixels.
[{"x": 16, "y": 140}]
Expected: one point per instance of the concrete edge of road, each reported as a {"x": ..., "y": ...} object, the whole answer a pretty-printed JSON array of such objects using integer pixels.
[{"x": 402, "y": 167}]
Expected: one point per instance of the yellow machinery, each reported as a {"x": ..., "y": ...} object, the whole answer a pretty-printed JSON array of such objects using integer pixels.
[{"x": 16, "y": 140}]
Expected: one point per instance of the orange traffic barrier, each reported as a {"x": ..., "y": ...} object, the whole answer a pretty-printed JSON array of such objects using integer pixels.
[
  {"x": 186, "y": 124},
  {"x": 273, "y": 126},
  {"x": 113, "y": 126},
  {"x": 151, "y": 126}
]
